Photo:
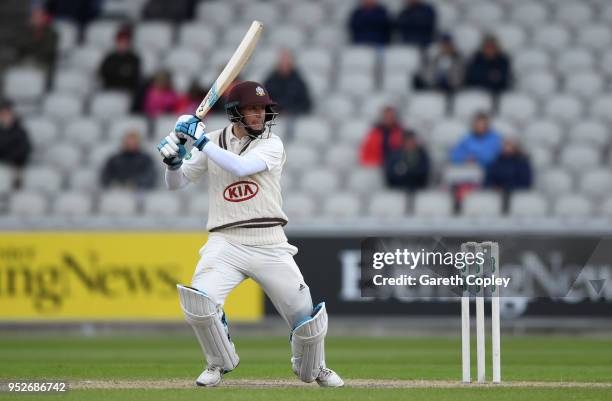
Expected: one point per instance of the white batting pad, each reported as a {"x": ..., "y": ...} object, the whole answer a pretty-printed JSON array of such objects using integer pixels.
[
  {"x": 307, "y": 345},
  {"x": 204, "y": 316}
]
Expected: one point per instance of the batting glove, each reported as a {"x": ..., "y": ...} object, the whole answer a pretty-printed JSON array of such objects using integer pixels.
[
  {"x": 191, "y": 127},
  {"x": 172, "y": 149}
]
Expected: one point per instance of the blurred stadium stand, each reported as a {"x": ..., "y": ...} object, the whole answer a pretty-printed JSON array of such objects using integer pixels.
[{"x": 560, "y": 110}]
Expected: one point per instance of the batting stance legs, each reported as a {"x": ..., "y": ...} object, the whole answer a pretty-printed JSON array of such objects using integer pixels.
[{"x": 222, "y": 267}]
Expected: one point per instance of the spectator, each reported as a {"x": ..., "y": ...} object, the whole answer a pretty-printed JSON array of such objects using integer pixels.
[
  {"x": 386, "y": 136},
  {"x": 370, "y": 24},
  {"x": 511, "y": 170},
  {"x": 175, "y": 10},
  {"x": 489, "y": 68},
  {"x": 38, "y": 44},
  {"x": 120, "y": 69},
  {"x": 190, "y": 101},
  {"x": 287, "y": 87},
  {"x": 131, "y": 167},
  {"x": 416, "y": 23},
  {"x": 442, "y": 68},
  {"x": 80, "y": 11},
  {"x": 407, "y": 167},
  {"x": 160, "y": 97},
  {"x": 15, "y": 147},
  {"x": 482, "y": 145}
]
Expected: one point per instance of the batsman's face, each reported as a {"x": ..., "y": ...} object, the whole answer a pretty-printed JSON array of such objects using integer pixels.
[{"x": 254, "y": 116}]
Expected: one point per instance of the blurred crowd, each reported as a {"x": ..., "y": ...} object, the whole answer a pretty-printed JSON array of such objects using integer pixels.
[{"x": 398, "y": 150}]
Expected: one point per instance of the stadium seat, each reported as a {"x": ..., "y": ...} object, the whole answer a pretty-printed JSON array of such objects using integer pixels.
[
  {"x": 72, "y": 81},
  {"x": 84, "y": 179},
  {"x": 119, "y": 127},
  {"x": 401, "y": 59},
  {"x": 543, "y": 132},
  {"x": 287, "y": 36},
  {"x": 62, "y": 106},
  {"x": 149, "y": 62},
  {"x": 365, "y": 180},
  {"x": 555, "y": 182},
  {"x": 519, "y": 108},
  {"x": 153, "y": 36},
  {"x": 396, "y": 83},
  {"x": 342, "y": 205},
  {"x": 217, "y": 13},
  {"x": 578, "y": 157},
  {"x": 356, "y": 84},
  {"x": 41, "y": 179},
  {"x": 373, "y": 105},
  {"x": 83, "y": 131},
  {"x": 551, "y": 37},
  {"x": 41, "y": 131},
  {"x": 312, "y": 130},
  {"x": 183, "y": 60},
  {"x": 98, "y": 155},
  {"x": 101, "y": 34},
  {"x": 466, "y": 37},
  {"x": 341, "y": 157},
  {"x": 162, "y": 204},
  {"x": 353, "y": 132},
  {"x": 590, "y": 132},
  {"x": 564, "y": 108},
  {"x": 528, "y": 204},
  {"x": 266, "y": 12},
  {"x": 467, "y": 103},
  {"x": 63, "y": 155},
  {"x": 358, "y": 59},
  {"x": 541, "y": 84},
  {"x": 540, "y": 156},
  {"x": 585, "y": 85},
  {"x": 306, "y": 14},
  {"x": 427, "y": 107},
  {"x": 299, "y": 205},
  {"x": 109, "y": 105},
  {"x": 461, "y": 174},
  {"x": 388, "y": 204},
  {"x": 432, "y": 204},
  {"x": 572, "y": 206},
  {"x": 482, "y": 204},
  {"x": 447, "y": 133},
  {"x": 574, "y": 60},
  {"x": 198, "y": 205},
  {"x": 484, "y": 14},
  {"x": 595, "y": 37},
  {"x": 605, "y": 209},
  {"x": 337, "y": 107},
  {"x": 600, "y": 108},
  {"x": 197, "y": 36},
  {"x": 318, "y": 85},
  {"x": 530, "y": 14},
  {"x": 575, "y": 15},
  {"x": 330, "y": 37},
  {"x": 72, "y": 204},
  {"x": 531, "y": 59},
  {"x": 67, "y": 35},
  {"x": 86, "y": 59},
  {"x": 315, "y": 58},
  {"x": 301, "y": 157},
  {"x": 117, "y": 203},
  {"x": 447, "y": 15},
  {"x": 320, "y": 181},
  {"x": 27, "y": 204},
  {"x": 511, "y": 37},
  {"x": 6, "y": 179},
  {"x": 596, "y": 183},
  {"x": 24, "y": 84}
]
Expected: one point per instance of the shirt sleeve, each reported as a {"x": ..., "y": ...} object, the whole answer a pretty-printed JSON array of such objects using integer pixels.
[
  {"x": 195, "y": 165},
  {"x": 271, "y": 151}
]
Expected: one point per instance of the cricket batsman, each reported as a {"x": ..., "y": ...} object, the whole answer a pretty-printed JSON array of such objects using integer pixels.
[{"x": 244, "y": 162}]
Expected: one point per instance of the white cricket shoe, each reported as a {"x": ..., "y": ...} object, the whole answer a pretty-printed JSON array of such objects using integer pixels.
[
  {"x": 329, "y": 378},
  {"x": 211, "y": 377}
]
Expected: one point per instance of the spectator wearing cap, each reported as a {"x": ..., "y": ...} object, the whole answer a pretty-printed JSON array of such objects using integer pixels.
[
  {"x": 442, "y": 68},
  {"x": 287, "y": 87},
  {"x": 511, "y": 170},
  {"x": 384, "y": 137},
  {"x": 481, "y": 145},
  {"x": 131, "y": 168},
  {"x": 15, "y": 146},
  {"x": 120, "y": 69},
  {"x": 416, "y": 23},
  {"x": 370, "y": 24},
  {"x": 408, "y": 166},
  {"x": 489, "y": 68}
]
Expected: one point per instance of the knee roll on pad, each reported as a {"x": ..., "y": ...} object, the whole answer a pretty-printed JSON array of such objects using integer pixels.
[
  {"x": 202, "y": 313},
  {"x": 307, "y": 345}
]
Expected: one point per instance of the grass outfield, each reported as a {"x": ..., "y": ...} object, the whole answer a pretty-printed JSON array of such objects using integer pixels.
[{"x": 155, "y": 368}]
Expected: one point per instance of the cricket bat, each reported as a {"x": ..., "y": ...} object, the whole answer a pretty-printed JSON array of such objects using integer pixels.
[{"x": 232, "y": 69}]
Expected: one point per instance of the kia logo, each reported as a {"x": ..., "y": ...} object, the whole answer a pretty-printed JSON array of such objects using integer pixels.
[{"x": 240, "y": 191}]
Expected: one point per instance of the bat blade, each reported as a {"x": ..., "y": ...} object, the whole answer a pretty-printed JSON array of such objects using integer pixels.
[{"x": 232, "y": 69}]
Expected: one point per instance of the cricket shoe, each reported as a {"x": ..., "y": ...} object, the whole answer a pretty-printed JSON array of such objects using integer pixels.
[
  {"x": 329, "y": 378},
  {"x": 211, "y": 377}
]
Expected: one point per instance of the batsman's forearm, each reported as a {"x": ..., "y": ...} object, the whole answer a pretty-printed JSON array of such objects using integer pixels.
[
  {"x": 175, "y": 179},
  {"x": 238, "y": 165}
]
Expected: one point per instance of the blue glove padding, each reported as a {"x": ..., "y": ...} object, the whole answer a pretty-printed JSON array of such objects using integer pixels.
[
  {"x": 173, "y": 162},
  {"x": 199, "y": 144},
  {"x": 188, "y": 127}
]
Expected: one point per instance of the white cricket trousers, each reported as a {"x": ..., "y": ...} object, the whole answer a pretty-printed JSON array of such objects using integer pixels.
[{"x": 223, "y": 265}]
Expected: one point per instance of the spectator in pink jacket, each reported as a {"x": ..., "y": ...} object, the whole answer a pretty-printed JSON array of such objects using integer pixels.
[{"x": 161, "y": 97}]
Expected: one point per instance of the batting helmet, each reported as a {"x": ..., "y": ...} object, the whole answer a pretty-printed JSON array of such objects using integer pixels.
[{"x": 249, "y": 93}]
